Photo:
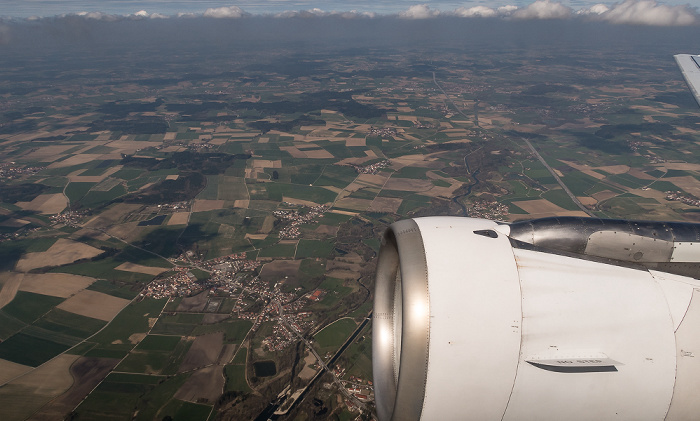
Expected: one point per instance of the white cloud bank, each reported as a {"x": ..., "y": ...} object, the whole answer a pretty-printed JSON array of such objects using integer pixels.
[
  {"x": 476, "y": 11},
  {"x": 316, "y": 12},
  {"x": 544, "y": 9},
  {"x": 419, "y": 11},
  {"x": 224, "y": 12},
  {"x": 630, "y": 12},
  {"x": 649, "y": 12}
]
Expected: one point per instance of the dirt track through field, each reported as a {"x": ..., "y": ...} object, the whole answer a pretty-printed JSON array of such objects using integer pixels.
[
  {"x": 87, "y": 373},
  {"x": 9, "y": 283}
]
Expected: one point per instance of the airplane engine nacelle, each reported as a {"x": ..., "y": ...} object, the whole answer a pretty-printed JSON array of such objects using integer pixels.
[{"x": 468, "y": 326}]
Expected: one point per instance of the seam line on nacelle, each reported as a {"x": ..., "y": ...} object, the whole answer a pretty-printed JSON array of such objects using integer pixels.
[{"x": 520, "y": 346}]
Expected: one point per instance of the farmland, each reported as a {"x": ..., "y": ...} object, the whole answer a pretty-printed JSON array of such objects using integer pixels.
[{"x": 169, "y": 232}]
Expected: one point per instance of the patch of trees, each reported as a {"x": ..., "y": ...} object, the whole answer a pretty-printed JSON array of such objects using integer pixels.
[
  {"x": 608, "y": 146},
  {"x": 230, "y": 397},
  {"x": 16, "y": 115},
  {"x": 123, "y": 109},
  {"x": 524, "y": 100},
  {"x": 526, "y": 135},
  {"x": 350, "y": 236},
  {"x": 21, "y": 192},
  {"x": 285, "y": 126},
  {"x": 330, "y": 100},
  {"x": 135, "y": 125},
  {"x": 140, "y": 162},
  {"x": 546, "y": 88},
  {"x": 18, "y": 126},
  {"x": 50, "y": 138},
  {"x": 680, "y": 99},
  {"x": 441, "y": 147},
  {"x": 204, "y": 163},
  {"x": 200, "y": 108},
  {"x": 13, "y": 115},
  {"x": 609, "y": 131},
  {"x": 438, "y": 207},
  {"x": 292, "y": 67},
  {"x": 184, "y": 188}
]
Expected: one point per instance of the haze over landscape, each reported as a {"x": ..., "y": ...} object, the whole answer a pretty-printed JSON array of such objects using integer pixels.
[{"x": 192, "y": 193}]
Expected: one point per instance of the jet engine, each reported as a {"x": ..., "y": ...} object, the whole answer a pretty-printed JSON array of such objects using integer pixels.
[{"x": 560, "y": 318}]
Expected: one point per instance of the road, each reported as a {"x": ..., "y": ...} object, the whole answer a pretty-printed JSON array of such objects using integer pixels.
[
  {"x": 270, "y": 411},
  {"x": 451, "y": 101},
  {"x": 556, "y": 177},
  {"x": 336, "y": 380}
]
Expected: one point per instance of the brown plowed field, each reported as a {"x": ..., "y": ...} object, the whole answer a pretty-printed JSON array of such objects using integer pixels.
[{"x": 87, "y": 373}]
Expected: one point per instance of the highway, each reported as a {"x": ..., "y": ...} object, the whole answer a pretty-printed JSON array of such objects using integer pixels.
[
  {"x": 556, "y": 177},
  {"x": 453, "y": 103},
  {"x": 272, "y": 412}
]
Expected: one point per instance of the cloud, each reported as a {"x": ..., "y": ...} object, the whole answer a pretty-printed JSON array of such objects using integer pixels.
[
  {"x": 507, "y": 10},
  {"x": 543, "y": 9},
  {"x": 316, "y": 12},
  {"x": 485, "y": 12},
  {"x": 353, "y": 14},
  {"x": 312, "y": 13},
  {"x": 419, "y": 11},
  {"x": 476, "y": 11},
  {"x": 596, "y": 9},
  {"x": 649, "y": 12},
  {"x": 635, "y": 12},
  {"x": 98, "y": 16},
  {"x": 224, "y": 12}
]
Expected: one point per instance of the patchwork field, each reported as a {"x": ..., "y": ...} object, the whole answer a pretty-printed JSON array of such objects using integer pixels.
[
  {"x": 94, "y": 304},
  {"x": 114, "y": 174},
  {"x": 62, "y": 252},
  {"x": 55, "y": 284},
  {"x": 21, "y": 397}
]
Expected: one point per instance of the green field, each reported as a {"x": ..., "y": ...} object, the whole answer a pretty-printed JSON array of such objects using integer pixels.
[
  {"x": 67, "y": 323},
  {"x": 314, "y": 248},
  {"x": 560, "y": 198},
  {"x": 76, "y": 191},
  {"x": 235, "y": 378},
  {"x": 412, "y": 172},
  {"x": 29, "y": 350},
  {"x": 110, "y": 288},
  {"x": 133, "y": 319},
  {"x": 158, "y": 343},
  {"x": 333, "y": 336},
  {"x": 276, "y": 191},
  {"x": 28, "y": 306},
  {"x": 144, "y": 362},
  {"x": 96, "y": 198},
  {"x": 9, "y": 325},
  {"x": 120, "y": 397},
  {"x": 186, "y": 411},
  {"x": 211, "y": 191},
  {"x": 278, "y": 250},
  {"x": 359, "y": 356},
  {"x": 232, "y": 188},
  {"x": 234, "y": 330}
]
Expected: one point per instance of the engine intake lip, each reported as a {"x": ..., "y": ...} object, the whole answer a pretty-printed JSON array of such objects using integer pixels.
[{"x": 401, "y": 369}]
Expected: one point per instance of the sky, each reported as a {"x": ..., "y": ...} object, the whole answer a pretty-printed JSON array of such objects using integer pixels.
[{"x": 644, "y": 12}]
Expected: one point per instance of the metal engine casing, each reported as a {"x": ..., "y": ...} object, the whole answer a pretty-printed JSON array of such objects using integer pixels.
[{"x": 467, "y": 325}]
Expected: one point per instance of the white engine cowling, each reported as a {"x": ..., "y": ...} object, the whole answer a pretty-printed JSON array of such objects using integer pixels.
[{"x": 466, "y": 326}]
